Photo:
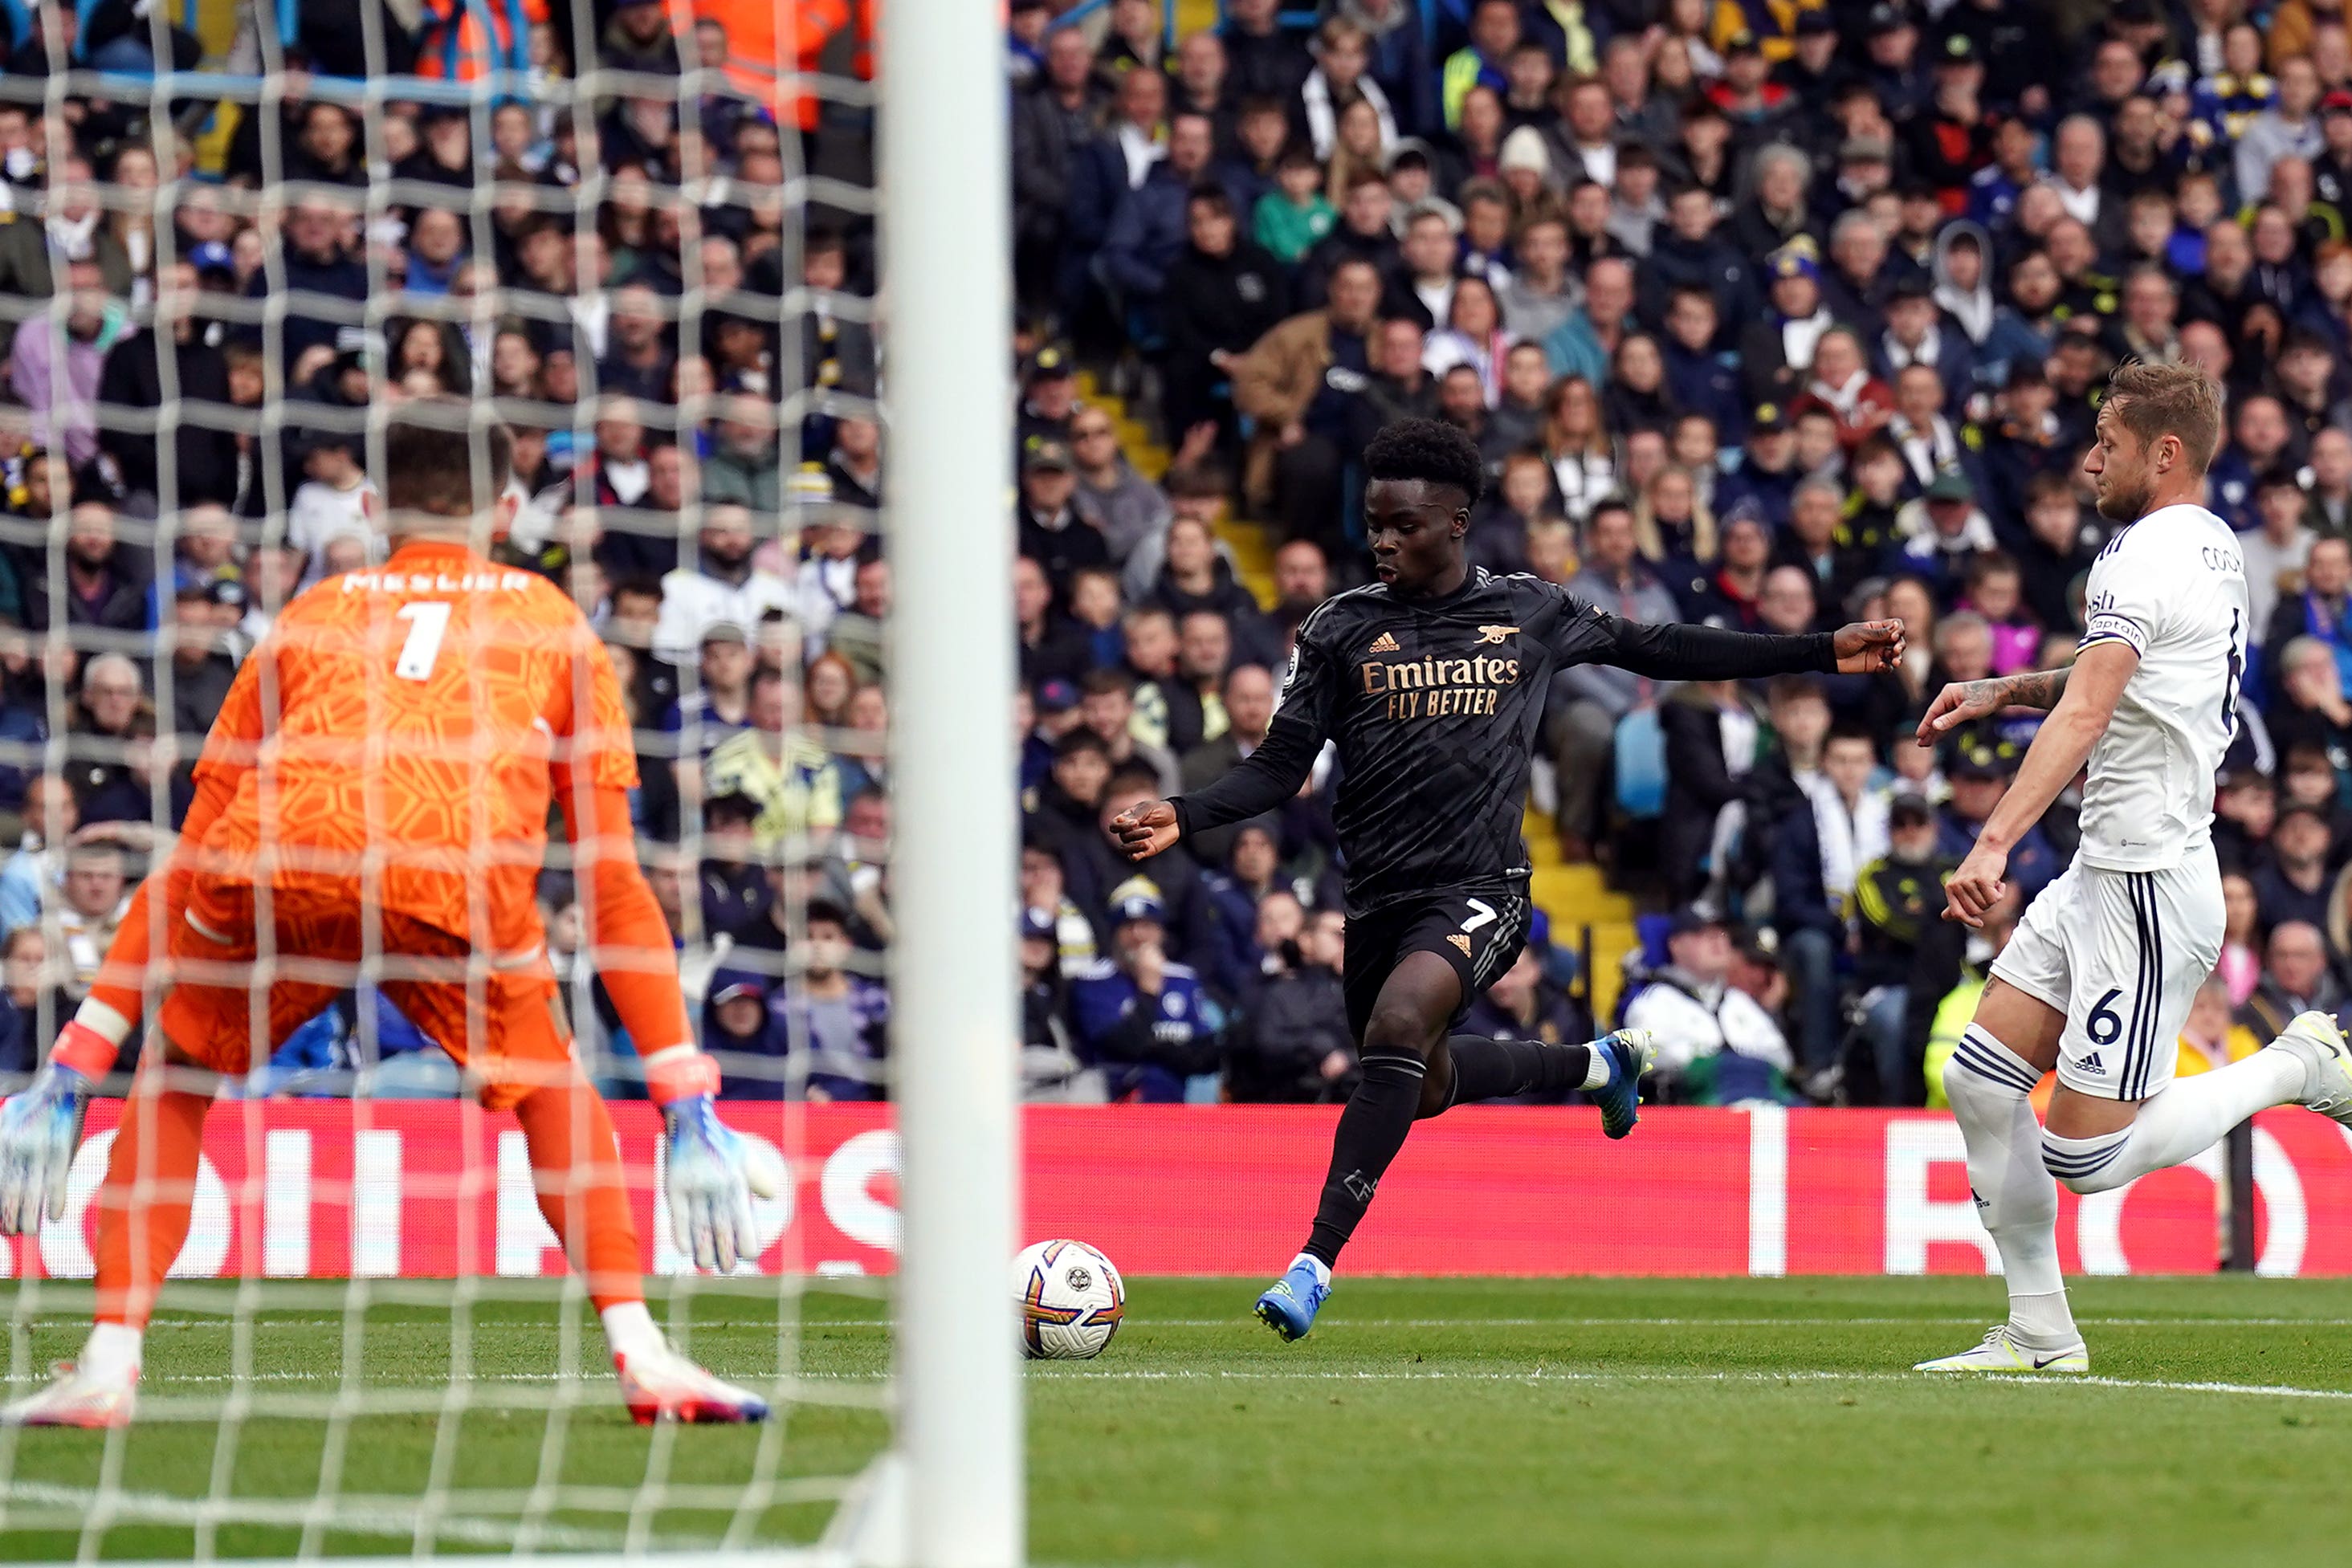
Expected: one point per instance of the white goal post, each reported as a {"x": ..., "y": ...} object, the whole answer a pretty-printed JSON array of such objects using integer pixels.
[{"x": 946, "y": 294}]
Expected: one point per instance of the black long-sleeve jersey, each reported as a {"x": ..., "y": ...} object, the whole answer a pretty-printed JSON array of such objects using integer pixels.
[{"x": 1435, "y": 705}]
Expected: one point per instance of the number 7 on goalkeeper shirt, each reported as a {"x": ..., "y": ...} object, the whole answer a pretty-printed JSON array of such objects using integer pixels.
[{"x": 375, "y": 792}]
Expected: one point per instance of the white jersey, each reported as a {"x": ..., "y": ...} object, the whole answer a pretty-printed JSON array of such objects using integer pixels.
[{"x": 2173, "y": 585}]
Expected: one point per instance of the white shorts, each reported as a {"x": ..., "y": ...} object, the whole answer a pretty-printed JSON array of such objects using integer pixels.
[{"x": 2121, "y": 954}]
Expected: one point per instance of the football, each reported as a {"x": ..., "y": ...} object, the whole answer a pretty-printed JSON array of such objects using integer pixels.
[{"x": 1070, "y": 1299}]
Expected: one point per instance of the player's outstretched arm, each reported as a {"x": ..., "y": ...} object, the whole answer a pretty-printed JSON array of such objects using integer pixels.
[
  {"x": 2059, "y": 748},
  {"x": 1964, "y": 701},
  {"x": 1671, "y": 650},
  {"x": 1267, "y": 777},
  {"x": 1257, "y": 784},
  {"x": 711, "y": 1172}
]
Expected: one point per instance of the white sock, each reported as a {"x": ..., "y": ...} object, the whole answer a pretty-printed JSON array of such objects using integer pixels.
[
  {"x": 629, "y": 1329},
  {"x": 2179, "y": 1122},
  {"x": 1988, "y": 1086},
  {"x": 1598, "y": 1071},
  {"x": 112, "y": 1350},
  {"x": 2042, "y": 1323},
  {"x": 1322, "y": 1270}
]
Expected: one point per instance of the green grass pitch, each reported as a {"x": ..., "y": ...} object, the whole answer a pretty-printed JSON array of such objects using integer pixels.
[{"x": 1469, "y": 1422}]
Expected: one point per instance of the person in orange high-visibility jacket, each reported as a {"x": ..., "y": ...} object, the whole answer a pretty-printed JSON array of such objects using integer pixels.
[
  {"x": 767, "y": 41},
  {"x": 464, "y": 40}
]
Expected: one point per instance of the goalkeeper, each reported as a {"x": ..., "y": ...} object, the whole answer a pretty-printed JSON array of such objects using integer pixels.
[{"x": 377, "y": 786}]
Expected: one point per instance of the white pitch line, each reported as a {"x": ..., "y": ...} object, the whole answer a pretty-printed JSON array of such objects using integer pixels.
[
  {"x": 2267, "y": 1390},
  {"x": 156, "y": 1507},
  {"x": 1541, "y": 1376},
  {"x": 193, "y": 1379}
]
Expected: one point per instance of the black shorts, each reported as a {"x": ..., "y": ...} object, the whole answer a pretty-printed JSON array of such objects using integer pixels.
[{"x": 1479, "y": 934}]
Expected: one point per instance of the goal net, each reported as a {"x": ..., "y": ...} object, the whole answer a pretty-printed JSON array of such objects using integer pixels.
[{"x": 647, "y": 237}]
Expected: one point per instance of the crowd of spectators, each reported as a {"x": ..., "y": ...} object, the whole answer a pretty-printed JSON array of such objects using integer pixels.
[
  {"x": 1769, "y": 314},
  {"x": 1765, "y": 313}
]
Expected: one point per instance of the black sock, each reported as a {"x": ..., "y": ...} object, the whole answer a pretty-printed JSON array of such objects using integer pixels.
[
  {"x": 1498, "y": 1069},
  {"x": 1373, "y": 1128}
]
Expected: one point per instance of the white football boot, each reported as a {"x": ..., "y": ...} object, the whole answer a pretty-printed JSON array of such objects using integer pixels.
[
  {"x": 661, "y": 1384},
  {"x": 77, "y": 1398},
  {"x": 1998, "y": 1352},
  {"x": 2314, "y": 1040}
]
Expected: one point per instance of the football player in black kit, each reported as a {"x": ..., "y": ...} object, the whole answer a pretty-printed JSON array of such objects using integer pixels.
[{"x": 1432, "y": 682}]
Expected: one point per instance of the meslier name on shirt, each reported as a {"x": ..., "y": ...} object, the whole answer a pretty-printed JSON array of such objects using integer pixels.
[{"x": 437, "y": 581}]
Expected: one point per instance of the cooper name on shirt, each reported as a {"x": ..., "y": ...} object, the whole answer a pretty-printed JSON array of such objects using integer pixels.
[{"x": 1439, "y": 688}]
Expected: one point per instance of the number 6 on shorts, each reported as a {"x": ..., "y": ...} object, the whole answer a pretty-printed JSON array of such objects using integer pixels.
[{"x": 2103, "y": 1026}]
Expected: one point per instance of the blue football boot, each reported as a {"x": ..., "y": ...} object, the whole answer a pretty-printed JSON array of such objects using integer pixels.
[
  {"x": 1290, "y": 1303},
  {"x": 1629, "y": 1052}
]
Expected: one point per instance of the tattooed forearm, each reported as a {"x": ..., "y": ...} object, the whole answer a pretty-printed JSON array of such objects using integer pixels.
[{"x": 2032, "y": 688}]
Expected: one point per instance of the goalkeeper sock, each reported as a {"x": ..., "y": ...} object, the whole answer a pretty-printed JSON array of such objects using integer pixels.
[
  {"x": 630, "y": 1331},
  {"x": 144, "y": 1204},
  {"x": 112, "y": 1351},
  {"x": 1487, "y": 1069},
  {"x": 575, "y": 1164},
  {"x": 1373, "y": 1128}
]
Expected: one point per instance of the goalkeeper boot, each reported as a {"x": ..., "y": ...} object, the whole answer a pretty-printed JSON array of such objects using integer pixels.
[
  {"x": 1629, "y": 1052},
  {"x": 661, "y": 1384},
  {"x": 1290, "y": 1303},
  {"x": 2000, "y": 1352},
  {"x": 2314, "y": 1040},
  {"x": 77, "y": 1399}
]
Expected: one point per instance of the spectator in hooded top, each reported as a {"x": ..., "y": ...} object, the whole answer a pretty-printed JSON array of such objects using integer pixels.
[{"x": 1121, "y": 504}]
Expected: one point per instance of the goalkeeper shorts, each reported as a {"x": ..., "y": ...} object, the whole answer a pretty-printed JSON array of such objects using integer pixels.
[{"x": 501, "y": 1019}]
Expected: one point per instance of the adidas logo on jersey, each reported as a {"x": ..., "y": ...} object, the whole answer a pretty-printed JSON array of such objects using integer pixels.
[
  {"x": 1459, "y": 941},
  {"x": 1383, "y": 644},
  {"x": 2091, "y": 1063}
]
